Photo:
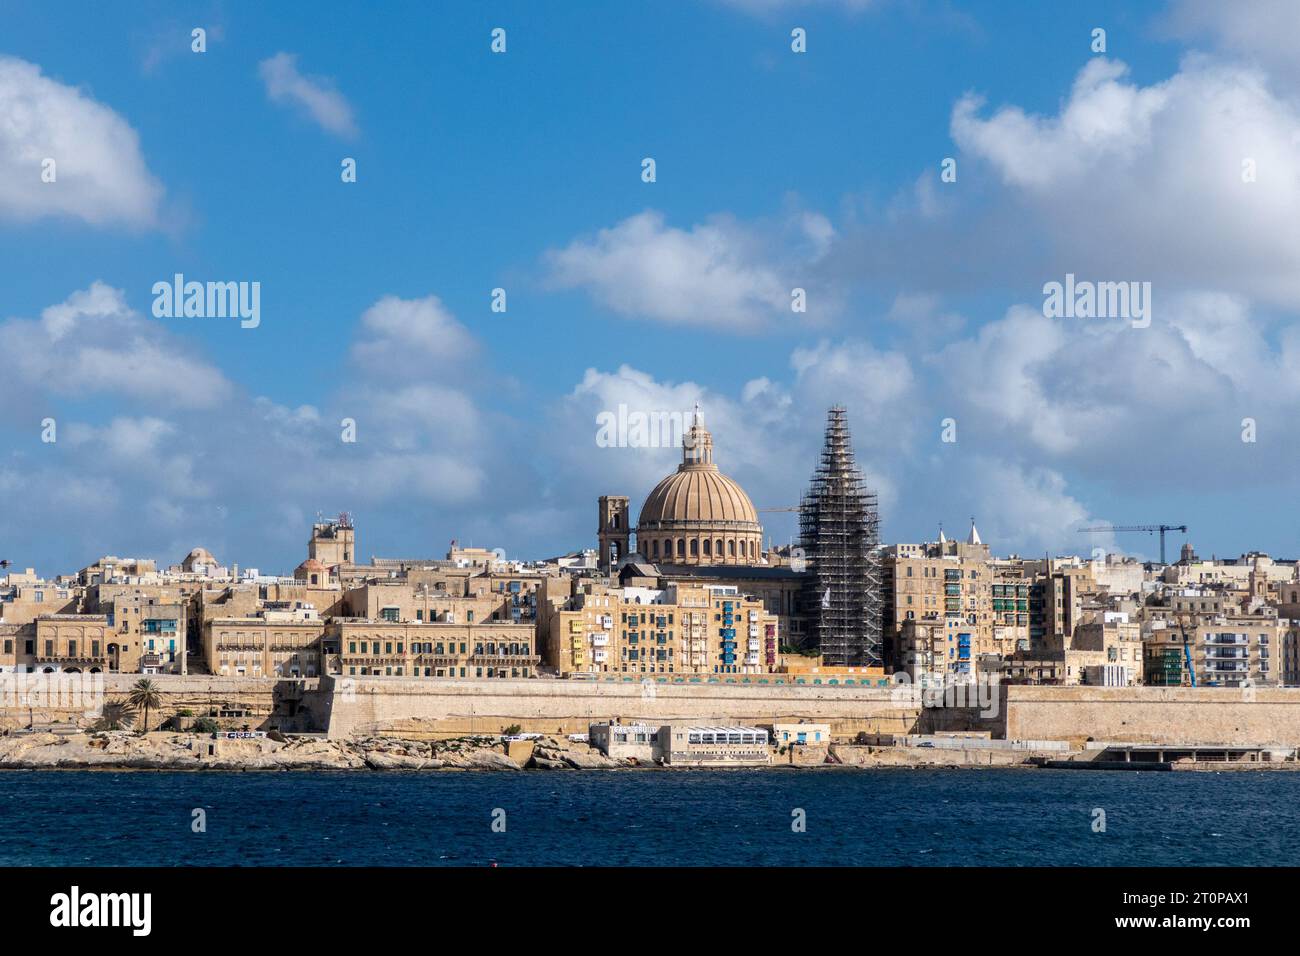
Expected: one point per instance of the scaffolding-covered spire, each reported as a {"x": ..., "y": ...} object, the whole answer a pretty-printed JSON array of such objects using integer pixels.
[{"x": 840, "y": 528}]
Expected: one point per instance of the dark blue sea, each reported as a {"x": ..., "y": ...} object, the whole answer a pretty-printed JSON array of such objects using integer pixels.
[{"x": 690, "y": 818}]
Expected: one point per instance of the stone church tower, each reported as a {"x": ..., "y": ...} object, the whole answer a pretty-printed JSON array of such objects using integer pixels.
[{"x": 613, "y": 533}]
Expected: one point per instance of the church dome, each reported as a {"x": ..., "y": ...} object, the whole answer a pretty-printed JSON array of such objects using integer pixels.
[
  {"x": 694, "y": 494},
  {"x": 698, "y": 515}
]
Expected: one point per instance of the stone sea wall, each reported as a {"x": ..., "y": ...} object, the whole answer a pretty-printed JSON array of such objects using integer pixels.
[
  {"x": 432, "y": 709},
  {"x": 1167, "y": 715},
  {"x": 448, "y": 708}
]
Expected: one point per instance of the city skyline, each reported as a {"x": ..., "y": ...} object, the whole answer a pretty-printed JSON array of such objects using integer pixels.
[{"x": 820, "y": 170}]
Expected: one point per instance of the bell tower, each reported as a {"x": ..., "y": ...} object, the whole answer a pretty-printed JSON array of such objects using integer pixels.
[{"x": 613, "y": 533}]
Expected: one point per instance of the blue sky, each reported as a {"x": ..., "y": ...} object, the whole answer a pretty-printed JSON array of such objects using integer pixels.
[{"x": 522, "y": 171}]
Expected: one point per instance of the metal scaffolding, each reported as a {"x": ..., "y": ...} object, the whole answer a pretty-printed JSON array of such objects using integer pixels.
[{"x": 839, "y": 525}]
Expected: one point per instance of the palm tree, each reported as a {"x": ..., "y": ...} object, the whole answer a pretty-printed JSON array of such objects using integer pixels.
[{"x": 144, "y": 693}]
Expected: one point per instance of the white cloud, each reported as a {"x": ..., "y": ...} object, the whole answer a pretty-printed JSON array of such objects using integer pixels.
[
  {"x": 1146, "y": 183},
  {"x": 1262, "y": 31},
  {"x": 411, "y": 337},
  {"x": 855, "y": 373},
  {"x": 231, "y": 466},
  {"x": 1028, "y": 506},
  {"x": 100, "y": 172},
  {"x": 314, "y": 96},
  {"x": 94, "y": 344},
  {"x": 716, "y": 274}
]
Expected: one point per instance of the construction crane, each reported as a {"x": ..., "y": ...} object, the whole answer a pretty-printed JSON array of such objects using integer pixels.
[{"x": 1148, "y": 528}]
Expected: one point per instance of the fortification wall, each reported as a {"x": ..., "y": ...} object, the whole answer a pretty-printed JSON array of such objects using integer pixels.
[
  {"x": 430, "y": 707},
  {"x": 78, "y": 699},
  {"x": 446, "y": 708},
  {"x": 1168, "y": 715}
]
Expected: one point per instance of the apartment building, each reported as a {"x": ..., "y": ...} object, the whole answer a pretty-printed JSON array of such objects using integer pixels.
[
  {"x": 1118, "y": 643},
  {"x": 405, "y": 649},
  {"x": 949, "y": 582},
  {"x": 1226, "y": 650},
  {"x": 681, "y": 629},
  {"x": 69, "y": 643},
  {"x": 277, "y": 642}
]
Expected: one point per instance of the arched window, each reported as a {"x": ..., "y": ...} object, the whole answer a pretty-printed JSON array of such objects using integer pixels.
[
  {"x": 707, "y": 552},
  {"x": 731, "y": 547},
  {"x": 717, "y": 547},
  {"x": 654, "y": 547},
  {"x": 681, "y": 547},
  {"x": 695, "y": 547}
]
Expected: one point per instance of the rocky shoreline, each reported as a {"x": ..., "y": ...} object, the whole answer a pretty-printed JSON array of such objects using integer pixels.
[{"x": 117, "y": 750}]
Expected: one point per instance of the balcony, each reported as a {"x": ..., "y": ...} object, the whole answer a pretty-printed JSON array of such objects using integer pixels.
[{"x": 72, "y": 660}]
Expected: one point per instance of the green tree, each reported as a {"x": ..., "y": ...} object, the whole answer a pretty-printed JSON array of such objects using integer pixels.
[
  {"x": 145, "y": 695},
  {"x": 204, "y": 725}
]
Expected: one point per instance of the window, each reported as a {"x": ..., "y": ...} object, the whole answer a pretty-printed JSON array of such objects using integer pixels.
[{"x": 390, "y": 614}]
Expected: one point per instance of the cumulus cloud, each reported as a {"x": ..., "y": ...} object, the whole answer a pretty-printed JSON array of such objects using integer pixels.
[
  {"x": 407, "y": 337},
  {"x": 1155, "y": 182},
  {"x": 313, "y": 96},
  {"x": 1030, "y": 506},
  {"x": 715, "y": 274},
  {"x": 100, "y": 175},
  {"x": 1260, "y": 31},
  {"x": 231, "y": 464},
  {"x": 93, "y": 343},
  {"x": 1136, "y": 408}
]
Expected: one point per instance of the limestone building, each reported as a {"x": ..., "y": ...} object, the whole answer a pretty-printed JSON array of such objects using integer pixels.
[
  {"x": 395, "y": 649},
  {"x": 943, "y": 583},
  {"x": 641, "y": 631},
  {"x": 273, "y": 644}
]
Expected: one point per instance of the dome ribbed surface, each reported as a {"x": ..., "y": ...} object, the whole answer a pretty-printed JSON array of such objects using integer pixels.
[{"x": 697, "y": 494}]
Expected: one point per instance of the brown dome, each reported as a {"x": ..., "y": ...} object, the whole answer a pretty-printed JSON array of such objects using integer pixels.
[
  {"x": 698, "y": 495},
  {"x": 698, "y": 515}
]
